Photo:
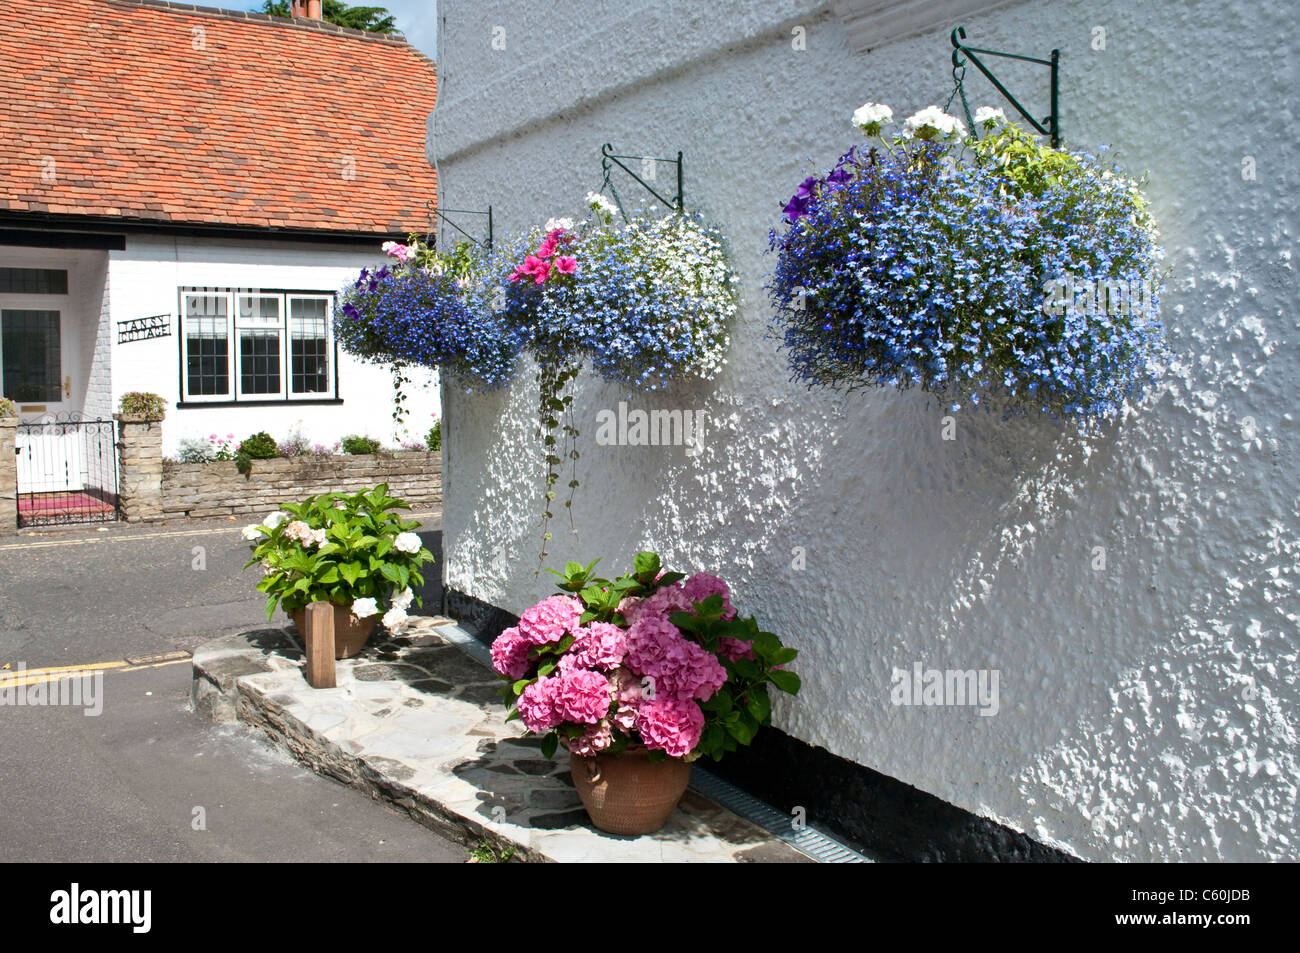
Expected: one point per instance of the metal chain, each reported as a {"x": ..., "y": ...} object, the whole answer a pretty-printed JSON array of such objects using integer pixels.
[{"x": 959, "y": 74}]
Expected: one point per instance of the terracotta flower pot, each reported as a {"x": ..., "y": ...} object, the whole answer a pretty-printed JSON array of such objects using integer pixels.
[
  {"x": 626, "y": 793},
  {"x": 350, "y": 634}
]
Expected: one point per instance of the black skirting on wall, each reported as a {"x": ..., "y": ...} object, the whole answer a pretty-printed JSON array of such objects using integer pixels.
[{"x": 880, "y": 816}]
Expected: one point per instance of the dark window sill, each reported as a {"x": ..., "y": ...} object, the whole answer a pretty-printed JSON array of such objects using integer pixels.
[{"x": 279, "y": 402}]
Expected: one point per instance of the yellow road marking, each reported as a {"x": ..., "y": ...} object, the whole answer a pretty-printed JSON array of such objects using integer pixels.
[
  {"x": 24, "y": 672},
  {"x": 17, "y": 678}
]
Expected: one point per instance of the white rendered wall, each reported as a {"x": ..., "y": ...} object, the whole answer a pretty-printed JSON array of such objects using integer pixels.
[
  {"x": 1148, "y": 709},
  {"x": 144, "y": 280}
]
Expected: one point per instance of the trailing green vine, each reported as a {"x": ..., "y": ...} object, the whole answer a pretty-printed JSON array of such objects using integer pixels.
[{"x": 555, "y": 413}]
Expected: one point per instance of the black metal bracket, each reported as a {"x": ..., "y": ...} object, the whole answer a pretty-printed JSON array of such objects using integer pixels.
[
  {"x": 608, "y": 160},
  {"x": 441, "y": 214},
  {"x": 1049, "y": 125}
]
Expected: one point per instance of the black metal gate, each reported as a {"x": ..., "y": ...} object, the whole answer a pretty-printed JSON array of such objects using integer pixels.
[{"x": 67, "y": 471}]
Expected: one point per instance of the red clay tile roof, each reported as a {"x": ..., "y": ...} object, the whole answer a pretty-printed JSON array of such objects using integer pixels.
[{"x": 157, "y": 111}]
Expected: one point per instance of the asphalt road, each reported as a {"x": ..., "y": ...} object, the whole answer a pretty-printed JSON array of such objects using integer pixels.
[{"x": 146, "y": 779}]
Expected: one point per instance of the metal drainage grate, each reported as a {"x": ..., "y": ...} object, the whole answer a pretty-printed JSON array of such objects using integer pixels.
[{"x": 816, "y": 844}]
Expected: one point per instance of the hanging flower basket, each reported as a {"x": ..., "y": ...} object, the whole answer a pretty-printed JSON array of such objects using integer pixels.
[
  {"x": 971, "y": 268},
  {"x": 646, "y": 302}
]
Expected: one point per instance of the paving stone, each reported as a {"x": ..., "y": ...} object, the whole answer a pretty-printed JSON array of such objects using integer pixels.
[{"x": 418, "y": 722}]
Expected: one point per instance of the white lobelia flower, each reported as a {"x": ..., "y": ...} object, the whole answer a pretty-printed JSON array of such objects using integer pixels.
[
  {"x": 275, "y": 519},
  {"x": 932, "y": 123},
  {"x": 364, "y": 608},
  {"x": 869, "y": 117},
  {"x": 561, "y": 223},
  {"x": 252, "y": 533},
  {"x": 989, "y": 116},
  {"x": 403, "y": 599},
  {"x": 407, "y": 543},
  {"x": 394, "y": 616}
]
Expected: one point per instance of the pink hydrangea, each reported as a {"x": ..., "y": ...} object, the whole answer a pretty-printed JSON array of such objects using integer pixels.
[
  {"x": 582, "y": 697},
  {"x": 510, "y": 654},
  {"x": 550, "y": 619},
  {"x": 538, "y": 708},
  {"x": 599, "y": 645},
  {"x": 678, "y": 666},
  {"x": 663, "y": 602},
  {"x": 735, "y": 649},
  {"x": 593, "y": 741},
  {"x": 672, "y": 725},
  {"x": 647, "y": 642},
  {"x": 628, "y": 695},
  {"x": 702, "y": 585}
]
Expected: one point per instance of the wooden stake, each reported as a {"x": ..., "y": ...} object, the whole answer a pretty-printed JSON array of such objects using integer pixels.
[{"x": 320, "y": 645}]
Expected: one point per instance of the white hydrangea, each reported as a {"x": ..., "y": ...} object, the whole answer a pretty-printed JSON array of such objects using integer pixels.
[
  {"x": 365, "y": 607},
  {"x": 989, "y": 116},
  {"x": 275, "y": 519},
  {"x": 252, "y": 533},
  {"x": 394, "y": 616},
  {"x": 407, "y": 543},
  {"x": 403, "y": 599},
  {"x": 932, "y": 122},
  {"x": 561, "y": 223},
  {"x": 869, "y": 117}
]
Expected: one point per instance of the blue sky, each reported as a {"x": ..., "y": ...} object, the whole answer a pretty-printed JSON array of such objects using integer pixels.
[{"x": 415, "y": 18}]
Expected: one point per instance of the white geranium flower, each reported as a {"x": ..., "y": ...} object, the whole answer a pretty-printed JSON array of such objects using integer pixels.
[
  {"x": 602, "y": 205},
  {"x": 275, "y": 519},
  {"x": 989, "y": 116},
  {"x": 869, "y": 117},
  {"x": 386, "y": 247},
  {"x": 932, "y": 122},
  {"x": 403, "y": 599},
  {"x": 364, "y": 608},
  {"x": 252, "y": 533},
  {"x": 553, "y": 223},
  {"x": 407, "y": 543},
  {"x": 394, "y": 616}
]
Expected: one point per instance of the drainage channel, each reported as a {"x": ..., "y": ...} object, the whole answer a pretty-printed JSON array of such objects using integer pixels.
[{"x": 816, "y": 844}]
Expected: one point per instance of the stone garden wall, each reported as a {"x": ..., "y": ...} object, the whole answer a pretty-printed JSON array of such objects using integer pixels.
[{"x": 219, "y": 489}]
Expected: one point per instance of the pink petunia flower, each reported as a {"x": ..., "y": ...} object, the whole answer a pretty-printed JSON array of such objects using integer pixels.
[{"x": 566, "y": 264}]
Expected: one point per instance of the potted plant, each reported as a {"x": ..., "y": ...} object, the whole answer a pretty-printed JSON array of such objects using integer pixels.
[
  {"x": 647, "y": 301},
  {"x": 349, "y": 550},
  {"x": 638, "y": 677},
  {"x": 137, "y": 407},
  {"x": 7, "y": 408},
  {"x": 971, "y": 267}
]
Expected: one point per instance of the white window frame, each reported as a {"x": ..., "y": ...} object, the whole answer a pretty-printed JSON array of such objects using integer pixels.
[
  {"x": 331, "y": 368},
  {"x": 234, "y": 391}
]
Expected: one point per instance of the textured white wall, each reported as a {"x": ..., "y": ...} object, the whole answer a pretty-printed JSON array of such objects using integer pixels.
[
  {"x": 1148, "y": 710},
  {"x": 144, "y": 280}
]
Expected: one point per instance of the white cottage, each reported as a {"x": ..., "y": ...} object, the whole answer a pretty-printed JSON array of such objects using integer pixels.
[{"x": 182, "y": 191}]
